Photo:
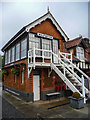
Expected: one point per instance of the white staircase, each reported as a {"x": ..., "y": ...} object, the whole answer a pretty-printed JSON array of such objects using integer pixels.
[{"x": 64, "y": 68}]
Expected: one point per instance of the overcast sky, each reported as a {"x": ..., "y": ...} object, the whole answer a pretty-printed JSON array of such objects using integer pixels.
[{"x": 72, "y": 17}]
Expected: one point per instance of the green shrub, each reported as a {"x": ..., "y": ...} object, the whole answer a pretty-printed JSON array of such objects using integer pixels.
[
  {"x": 76, "y": 95},
  {"x": 5, "y": 72},
  {"x": 15, "y": 71}
]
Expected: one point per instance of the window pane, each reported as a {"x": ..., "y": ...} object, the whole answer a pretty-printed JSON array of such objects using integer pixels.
[
  {"x": 34, "y": 42},
  {"x": 5, "y": 58},
  {"x": 23, "y": 48},
  {"x": 8, "y": 56},
  {"x": 46, "y": 44},
  {"x": 13, "y": 54},
  {"x": 80, "y": 53},
  {"x": 55, "y": 46},
  {"x": 18, "y": 51}
]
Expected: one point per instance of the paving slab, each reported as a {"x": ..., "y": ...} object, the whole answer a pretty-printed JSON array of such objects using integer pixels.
[{"x": 32, "y": 110}]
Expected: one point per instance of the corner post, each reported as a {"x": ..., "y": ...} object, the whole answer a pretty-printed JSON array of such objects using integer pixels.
[
  {"x": 34, "y": 57},
  {"x": 83, "y": 89}
]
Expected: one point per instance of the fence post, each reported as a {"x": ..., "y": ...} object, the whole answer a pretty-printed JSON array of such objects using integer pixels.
[
  {"x": 43, "y": 55},
  {"x": 34, "y": 57},
  {"x": 83, "y": 89},
  {"x": 51, "y": 56}
]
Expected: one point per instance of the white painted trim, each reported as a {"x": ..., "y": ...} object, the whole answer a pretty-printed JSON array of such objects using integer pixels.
[
  {"x": 15, "y": 39},
  {"x": 38, "y": 21}
]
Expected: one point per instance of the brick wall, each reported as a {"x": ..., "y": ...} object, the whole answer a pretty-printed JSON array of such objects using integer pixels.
[
  {"x": 10, "y": 79},
  {"x": 47, "y": 27}
]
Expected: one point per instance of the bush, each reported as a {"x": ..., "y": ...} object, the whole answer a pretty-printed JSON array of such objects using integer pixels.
[
  {"x": 76, "y": 95},
  {"x": 5, "y": 72},
  {"x": 15, "y": 71}
]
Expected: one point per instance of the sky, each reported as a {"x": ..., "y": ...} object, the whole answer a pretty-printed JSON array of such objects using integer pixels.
[{"x": 71, "y": 16}]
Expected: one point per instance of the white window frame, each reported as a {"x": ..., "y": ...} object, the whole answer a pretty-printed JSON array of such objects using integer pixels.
[
  {"x": 5, "y": 57},
  {"x": 55, "y": 46},
  {"x": 13, "y": 51},
  {"x": 9, "y": 55},
  {"x": 34, "y": 42},
  {"x": 46, "y": 44},
  {"x": 17, "y": 52},
  {"x": 23, "y": 47},
  {"x": 80, "y": 51}
]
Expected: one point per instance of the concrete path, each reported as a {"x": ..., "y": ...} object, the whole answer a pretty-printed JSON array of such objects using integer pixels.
[{"x": 31, "y": 110}]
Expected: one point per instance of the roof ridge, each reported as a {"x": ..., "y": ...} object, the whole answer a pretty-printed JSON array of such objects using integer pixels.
[{"x": 75, "y": 39}]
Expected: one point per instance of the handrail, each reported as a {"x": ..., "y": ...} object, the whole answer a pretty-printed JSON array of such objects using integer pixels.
[
  {"x": 65, "y": 79},
  {"x": 69, "y": 69},
  {"x": 60, "y": 56},
  {"x": 76, "y": 67},
  {"x": 64, "y": 57}
]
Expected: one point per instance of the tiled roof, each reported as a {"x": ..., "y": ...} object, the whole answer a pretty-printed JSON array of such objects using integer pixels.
[{"x": 72, "y": 43}]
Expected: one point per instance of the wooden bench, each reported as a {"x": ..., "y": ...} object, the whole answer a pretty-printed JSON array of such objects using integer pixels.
[{"x": 53, "y": 94}]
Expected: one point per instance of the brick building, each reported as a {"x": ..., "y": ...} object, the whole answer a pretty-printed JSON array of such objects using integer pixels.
[
  {"x": 80, "y": 49},
  {"x": 35, "y": 61}
]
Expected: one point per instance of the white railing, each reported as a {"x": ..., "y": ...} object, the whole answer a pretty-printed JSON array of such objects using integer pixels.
[
  {"x": 46, "y": 54},
  {"x": 62, "y": 57},
  {"x": 65, "y": 55},
  {"x": 75, "y": 67}
]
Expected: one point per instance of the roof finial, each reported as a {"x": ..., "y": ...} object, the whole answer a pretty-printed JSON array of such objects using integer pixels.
[{"x": 48, "y": 9}]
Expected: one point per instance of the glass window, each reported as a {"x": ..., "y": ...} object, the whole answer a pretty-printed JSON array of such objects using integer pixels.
[
  {"x": 80, "y": 53},
  {"x": 9, "y": 56},
  {"x": 9, "y": 52},
  {"x": 55, "y": 46},
  {"x": 34, "y": 42},
  {"x": 13, "y": 54},
  {"x": 46, "y": 44},
  {"x": 5, "y": 58},
  {"x": 23, "y": 48},
  {"x": 18, "y": 51}
]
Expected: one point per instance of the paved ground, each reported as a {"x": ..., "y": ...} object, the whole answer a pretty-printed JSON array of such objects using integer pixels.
[
  {"x": 32, "y": 110},
  {"x": 9, "y": 111}
]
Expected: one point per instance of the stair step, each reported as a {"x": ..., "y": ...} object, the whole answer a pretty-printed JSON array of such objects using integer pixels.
[
  {"x": 69, "y": 76},
  {"x": 74, "y": 82}
]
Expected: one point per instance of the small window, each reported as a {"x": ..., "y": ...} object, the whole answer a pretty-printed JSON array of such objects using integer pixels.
[
  {"x": 22, "y": 77},
  {"x": 9, "y": 52},
  {"x": 80, "y": 53},
  {"x": 13, "y": 54},
  {"x": 55, "y": 46},
  {"x": 18, "y": 51},
  {"x": 34, "y": 42},
  {"x": 5, "y": 58},
  {"x": 46, "y": 44},
  {"x": 23, "y": 48}
]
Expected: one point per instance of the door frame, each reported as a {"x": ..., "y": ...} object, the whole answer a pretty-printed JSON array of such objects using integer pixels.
[{"x": 35, "y": 73}]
